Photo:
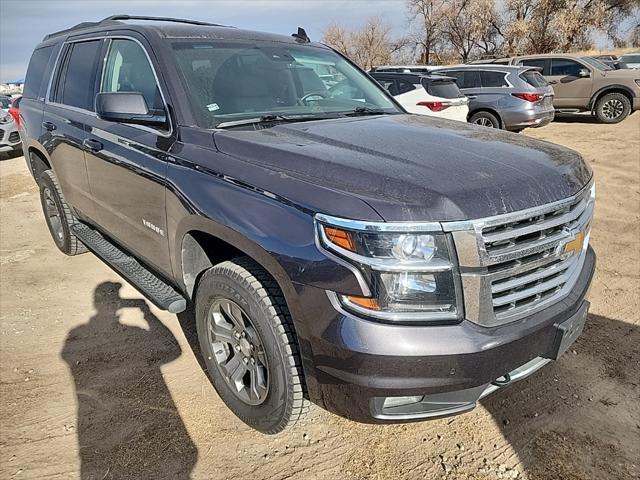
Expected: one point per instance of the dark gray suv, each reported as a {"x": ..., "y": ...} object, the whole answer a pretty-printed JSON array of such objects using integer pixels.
[
  {"x": 386, "y": 266},
  {"x": 511, "y": 98}
]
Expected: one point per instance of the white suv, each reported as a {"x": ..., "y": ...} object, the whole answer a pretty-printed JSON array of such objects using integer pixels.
[{"x": 433, "y": 95}]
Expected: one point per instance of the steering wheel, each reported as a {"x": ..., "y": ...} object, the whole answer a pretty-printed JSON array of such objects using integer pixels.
[{"x": 306, "y": 97}]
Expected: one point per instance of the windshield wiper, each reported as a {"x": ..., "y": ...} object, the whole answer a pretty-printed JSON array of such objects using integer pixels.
[
  {"x": 366, "y": 111},
  {"x": 270, "y": 119}
]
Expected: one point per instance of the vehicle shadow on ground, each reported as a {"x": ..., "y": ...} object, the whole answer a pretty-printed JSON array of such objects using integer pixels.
[
  {"x": 128, "y": 425},
  {"x": 12, "y": 154},
  {"x": 574, "y": 418},
  {"x": 575, "y": 118}
]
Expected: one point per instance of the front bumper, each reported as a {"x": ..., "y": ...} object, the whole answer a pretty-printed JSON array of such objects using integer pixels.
[{"x": 356, "y": 364}]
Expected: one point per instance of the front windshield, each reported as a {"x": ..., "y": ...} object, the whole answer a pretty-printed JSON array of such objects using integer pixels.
[
  {"x": 231, "y": 81},
  {"x": 594, "y": 62}
]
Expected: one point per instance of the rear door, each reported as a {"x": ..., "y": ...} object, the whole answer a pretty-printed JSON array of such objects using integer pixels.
[
  {"x": 127, "y": 163},
  {"x": 67, "y": 117}
]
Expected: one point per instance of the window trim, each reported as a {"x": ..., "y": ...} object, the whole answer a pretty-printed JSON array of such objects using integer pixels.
[{"x": 104, "y": 52}]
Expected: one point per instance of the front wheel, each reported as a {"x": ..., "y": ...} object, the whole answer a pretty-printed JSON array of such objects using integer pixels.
[
  {"x": 248, "y": 345},
  {"x": 612, "y": 108},
  {"x": 485, "y": 119}
]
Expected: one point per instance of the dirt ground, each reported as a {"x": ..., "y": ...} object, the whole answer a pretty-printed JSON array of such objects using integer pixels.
[{"x": 97, "y": 384}]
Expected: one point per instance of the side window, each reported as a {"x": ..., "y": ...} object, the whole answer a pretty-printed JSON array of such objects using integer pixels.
[
  {"x": 565, "y": 67},
  {"x": 493, "y": 79},
  {"x": 536, "y": 62},
  {"x": 35, "y": 79},
  {"x": 127, "y": 69},
  {"x": 404, "y": 86},
  {"x": 465, "y": 78},
  {"x": 78, "y": 87}
]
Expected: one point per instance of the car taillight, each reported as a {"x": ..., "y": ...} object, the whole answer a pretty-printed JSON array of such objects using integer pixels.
[
  {"x": 529, "y": 97},
  {"x": 15, "y": 113},
  {"x": 434, "y": 106}
]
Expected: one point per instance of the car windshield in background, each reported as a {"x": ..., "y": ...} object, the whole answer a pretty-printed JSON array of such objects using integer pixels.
[
  {"x": 633, "y": 58},
  {"x": 232, "y": 82},
  {"x": 534, "y": 78},
  {"x": 596, "y": 63}
]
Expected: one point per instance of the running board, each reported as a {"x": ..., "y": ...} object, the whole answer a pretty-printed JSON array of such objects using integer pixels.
[{"x": 147, "y": 283}]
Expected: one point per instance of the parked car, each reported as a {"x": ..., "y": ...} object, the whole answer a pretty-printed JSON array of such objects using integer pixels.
[
  {"x": 5, "y": 102},
  {"x": 9, "y": 135},
  {"x": 581, "y": 85},
  {"x": 388, "y": 267},
  {"x": 424, "y": 69},
  {"x": 14, "y": 110},
  {"x": 632, "y": 60},
  {"x": 507, "y": 97},
  {"x": 433, "y": 95},
  {"x": 610, "y": 61}
]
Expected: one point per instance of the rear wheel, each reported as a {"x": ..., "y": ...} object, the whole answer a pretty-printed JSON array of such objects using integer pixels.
[
  {"x": 58, "y": 215},
  {"x": 485, "y": 119},
  {"x": 248, "y": 345},
  {"x": 612, "y": 108}
]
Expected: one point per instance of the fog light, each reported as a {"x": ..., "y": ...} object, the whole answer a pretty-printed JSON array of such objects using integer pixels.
[{"x": 400, "y": 401}]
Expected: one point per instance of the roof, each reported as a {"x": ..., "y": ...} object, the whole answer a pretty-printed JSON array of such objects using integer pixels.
[
  {"x": 480, "y": 66},
  {"x": 175, "y": 28},
  {"x": 410, "y": 77}
]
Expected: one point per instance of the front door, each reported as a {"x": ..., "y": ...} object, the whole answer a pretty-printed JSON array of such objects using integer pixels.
[
  {"x": 571, "y": 90},
  {"x": 127, "y": 164}
]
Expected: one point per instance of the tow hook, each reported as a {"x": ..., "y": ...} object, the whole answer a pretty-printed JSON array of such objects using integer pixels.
[{"x": 502, "y": 381}]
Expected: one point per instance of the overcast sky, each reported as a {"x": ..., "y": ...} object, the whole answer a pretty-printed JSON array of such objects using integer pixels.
[{"x": 23, "y": 23}]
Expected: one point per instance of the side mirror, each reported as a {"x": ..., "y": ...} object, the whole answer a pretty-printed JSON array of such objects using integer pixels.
[
  {"x": 584, "y": 73},
  {"x": 128, "y": 107}
]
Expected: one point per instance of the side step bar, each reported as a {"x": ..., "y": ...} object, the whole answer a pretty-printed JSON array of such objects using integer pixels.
[{"x": 152, "y": 287}]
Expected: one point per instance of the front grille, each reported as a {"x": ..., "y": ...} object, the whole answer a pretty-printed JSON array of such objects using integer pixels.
[
  {"x": 528, "y": 262},
  {"x": 523, "y": 261},
  {"x": 1, "y": 133},
  {"x": 14, "y": 137}
]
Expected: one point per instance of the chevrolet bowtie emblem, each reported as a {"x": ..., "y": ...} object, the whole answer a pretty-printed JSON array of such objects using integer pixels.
[{"x": 575, "y": 245}]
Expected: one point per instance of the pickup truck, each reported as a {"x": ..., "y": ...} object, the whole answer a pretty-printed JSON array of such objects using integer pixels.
[{"x": 335, "y": 249}]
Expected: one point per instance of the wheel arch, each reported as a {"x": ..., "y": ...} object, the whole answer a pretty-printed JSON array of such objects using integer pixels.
[
  {"x": 626, "y": 91},
  {"x": 37, "y": 161},
  {"x": 488, "y": 110}
]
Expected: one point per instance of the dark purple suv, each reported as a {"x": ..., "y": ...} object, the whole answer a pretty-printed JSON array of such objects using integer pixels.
[{"x": 385, "y": 266}]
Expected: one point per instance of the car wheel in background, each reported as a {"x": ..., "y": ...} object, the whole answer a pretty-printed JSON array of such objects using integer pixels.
[
  {"x": 248, "y": 345},
  {"x": 612, "y": 108},
  {"x": 58, "y": 215},
  {"x": 485, "y": 119}
]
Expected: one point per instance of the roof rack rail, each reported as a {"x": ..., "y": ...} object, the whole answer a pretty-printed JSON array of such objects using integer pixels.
[
  {"x": 117, "y": 18},
  {"x": 159, "y": 19}
]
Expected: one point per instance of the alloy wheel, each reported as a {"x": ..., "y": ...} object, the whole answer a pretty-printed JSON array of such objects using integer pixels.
[
  {"x": 53, "y": 215},
  {"x": 485, "y": 122},
  {"x": 612, "y": 109},
  {"x": 238, "y": 351}
]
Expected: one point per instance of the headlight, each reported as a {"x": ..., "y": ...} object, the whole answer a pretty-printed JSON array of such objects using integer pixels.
[{"x": 411, "y": 275}]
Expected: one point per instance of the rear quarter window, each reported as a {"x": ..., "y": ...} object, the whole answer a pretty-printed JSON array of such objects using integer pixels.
[
  {"x": 534, "y": 78},
  {"x": 35, "y": 81},
  {"x": 493, "y": 79},
  {"x": 442, "y": 88}
]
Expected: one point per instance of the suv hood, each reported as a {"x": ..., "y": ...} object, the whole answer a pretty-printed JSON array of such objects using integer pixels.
[
  {"x": 622, "y": 73},
  {"x": 415, "y": 168}
]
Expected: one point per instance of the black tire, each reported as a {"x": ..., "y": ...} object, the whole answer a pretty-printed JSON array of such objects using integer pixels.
[
  {"x": 612, "y": 108},
  {"x": 58, "y": 215},
  {"x": 246, "y": 285},
  {"x": 485, "y": 119}
]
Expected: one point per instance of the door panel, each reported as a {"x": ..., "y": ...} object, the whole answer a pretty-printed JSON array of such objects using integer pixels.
[
  {"x": 571, "y": 90},
  {"x": 127, "y": 164}
]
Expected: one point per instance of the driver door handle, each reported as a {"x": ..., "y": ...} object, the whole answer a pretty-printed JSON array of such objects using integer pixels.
[
  {"x": 92, "y": 145},
  {"x": 553, "y": 82}
]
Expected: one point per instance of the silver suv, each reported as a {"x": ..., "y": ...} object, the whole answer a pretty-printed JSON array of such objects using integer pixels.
[{"x": 507, "y": 97}]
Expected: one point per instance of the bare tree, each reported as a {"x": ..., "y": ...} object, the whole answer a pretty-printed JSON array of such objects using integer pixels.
[
  {"x": 425, "y": 22},
  {"x": 368, "y": 46}
]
